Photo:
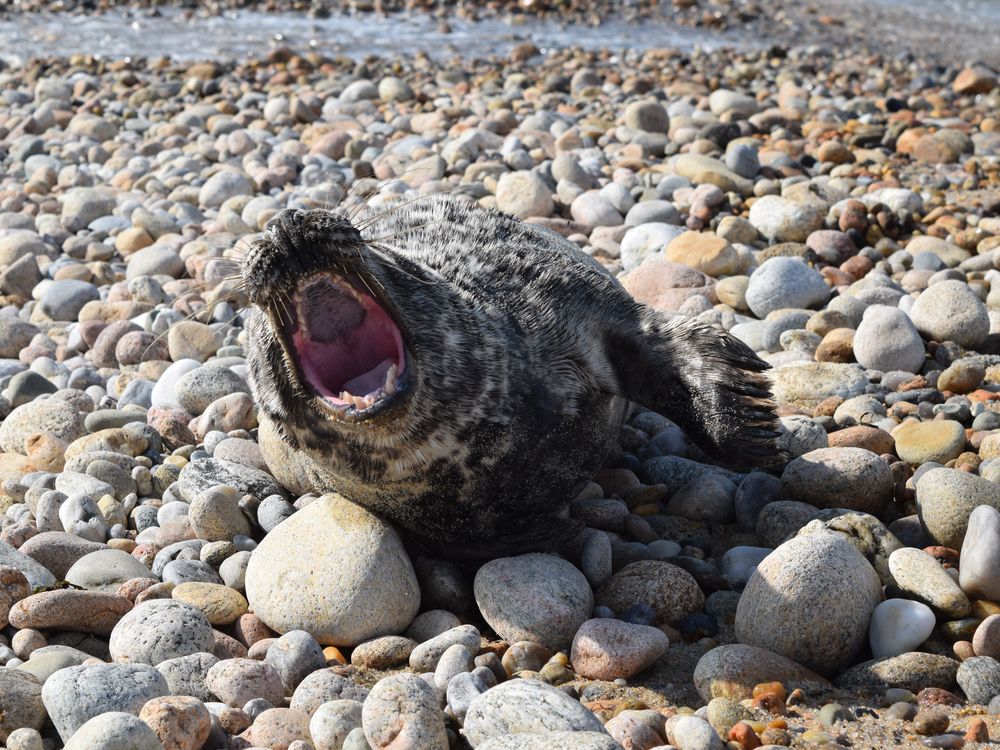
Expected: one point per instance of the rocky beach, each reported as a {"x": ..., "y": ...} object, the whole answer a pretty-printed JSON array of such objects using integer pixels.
[{"x": 830, "y": 200}]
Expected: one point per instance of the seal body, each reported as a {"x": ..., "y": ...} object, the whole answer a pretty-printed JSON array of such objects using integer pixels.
[{"x": 464, "y": 374}]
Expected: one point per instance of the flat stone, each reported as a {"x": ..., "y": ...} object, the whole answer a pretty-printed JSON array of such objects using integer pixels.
[
  {"x": 807, "y": 384},
  {"x": 938, "y": 441},
  {"x": 68, "y": 609},
  {"x": 732, "y": 671},
  {"x": 912, "y": 671},
  {"x": 220, "y": 604}
]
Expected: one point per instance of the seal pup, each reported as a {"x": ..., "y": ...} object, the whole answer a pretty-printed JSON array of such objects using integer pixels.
[{"x": 464, "y": 374}]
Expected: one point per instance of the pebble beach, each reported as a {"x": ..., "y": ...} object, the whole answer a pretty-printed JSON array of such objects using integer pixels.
[{"x": 832, "y": 203}]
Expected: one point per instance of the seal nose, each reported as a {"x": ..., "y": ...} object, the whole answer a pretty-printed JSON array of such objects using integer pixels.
[{"x": 288, "y": 221}]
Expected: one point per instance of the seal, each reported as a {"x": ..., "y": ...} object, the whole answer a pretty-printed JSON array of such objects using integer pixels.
[{"x": 464, "y": 374}]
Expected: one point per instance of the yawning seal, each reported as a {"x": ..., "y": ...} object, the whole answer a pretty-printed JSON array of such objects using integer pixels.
[{"x": 463, "y": 374}]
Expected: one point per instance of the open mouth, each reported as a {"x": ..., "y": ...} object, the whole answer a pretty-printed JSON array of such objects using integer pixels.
[{"x": 348, "y": 348}]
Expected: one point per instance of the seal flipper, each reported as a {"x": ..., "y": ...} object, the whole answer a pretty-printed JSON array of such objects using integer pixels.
[{"x": 707, "y": 381}]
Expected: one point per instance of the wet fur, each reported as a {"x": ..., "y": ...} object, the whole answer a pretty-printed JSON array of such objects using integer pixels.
[{"x": 526, "y": 352}]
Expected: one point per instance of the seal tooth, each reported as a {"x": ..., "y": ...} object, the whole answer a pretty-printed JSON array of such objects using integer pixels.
[{"x": 390, "y": 380}]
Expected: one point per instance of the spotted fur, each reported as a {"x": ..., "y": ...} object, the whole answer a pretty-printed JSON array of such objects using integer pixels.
[{"x": 526, "y": 354}]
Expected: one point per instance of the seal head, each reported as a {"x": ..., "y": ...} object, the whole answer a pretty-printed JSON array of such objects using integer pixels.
[{"x": 464, "y": 374}]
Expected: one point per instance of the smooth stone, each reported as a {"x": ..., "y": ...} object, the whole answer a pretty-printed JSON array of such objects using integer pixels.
[
  {"x": 979, "y": 678},
  {"x": 220, "y": 604},
  {"x": 180, "y": 722},
  {"x": 352, "y": 582},
  {"x": 887, "y": 340},
  {"x": 76, "y": 694},
  {"x": 980, "y": 555},
  {"x": 784, "y": 220},
  {"x": 424, "y": 658},
  {"x": 533, "y": 597},
  {"x": 186, "y": 675},
  {"x": 920, "y": 576},
  {"x": 160, "y": 629},
  {"x": 986, "y": 640},
  {"x": 383, "y": 653},
  {"x": 20, "y": 702},
  {"x": 68, "y": 609},
  {"x": 552, "y": 741},
  {"x": 899, "y": 626},
  {"x": 525, "y": 707},
  {"x": 807, "y": 384},
  {"x": 523, "y": 194},
  {"x": 278, "y": 728},
  {"x": 222, "y": 186},
  {"x": 946, "y": 499},
  {"x": 811, "y": 600},
  {"x": 62, "y": 300},
  {"x": 325, "y": 685},
  {"x": 783, "y": 282},
  {"x": 402, "y": 711},
  {"x": 114, "y": 730},
  {"x": 670, "y": 590},
  {"x": 732, "y": 671},
  {"x": 236, "y": 681},
  {"x": 205, "y": 473},
  {"x": 295, "y": 656},
  {"x": 37, "y": 575},
  {"x": 851, "y": 478},
  {"x": 692, "y": 733},
  {"x": 55, "y": 416},
  {"x": 332, "y": 722},
  {"x": 951, "y": 311},
  {"x": 605, "y": 649},
  {"x": 106, "y": 570}
]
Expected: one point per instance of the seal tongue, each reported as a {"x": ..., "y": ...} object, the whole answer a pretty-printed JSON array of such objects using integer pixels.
[
  {"x": 371, "y": 380},
  {"x": 347, "y": 345}
]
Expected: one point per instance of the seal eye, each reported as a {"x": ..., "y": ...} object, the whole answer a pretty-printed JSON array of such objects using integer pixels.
[{"x": 349, "y": 349}]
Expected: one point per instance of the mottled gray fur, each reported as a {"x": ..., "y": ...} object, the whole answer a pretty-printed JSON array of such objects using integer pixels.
[{"x": 524, "y": 352}]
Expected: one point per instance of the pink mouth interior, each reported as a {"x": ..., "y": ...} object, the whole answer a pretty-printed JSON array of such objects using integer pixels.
[{"x": 343, "y": 339}]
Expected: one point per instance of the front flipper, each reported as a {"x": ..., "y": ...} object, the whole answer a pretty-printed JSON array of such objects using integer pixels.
[{"x": 708, "y": 382}]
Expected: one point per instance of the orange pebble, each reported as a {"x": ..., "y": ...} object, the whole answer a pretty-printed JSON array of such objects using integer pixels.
[
  {"x": 770, "y": 687},
  {"x": 770, "y": 702},
  {"x": 777, "y": 724},
  {"x": 743, "y": 734},
  {"x": 977, "y": 731},
  {"x": 333, "y": 656}
]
